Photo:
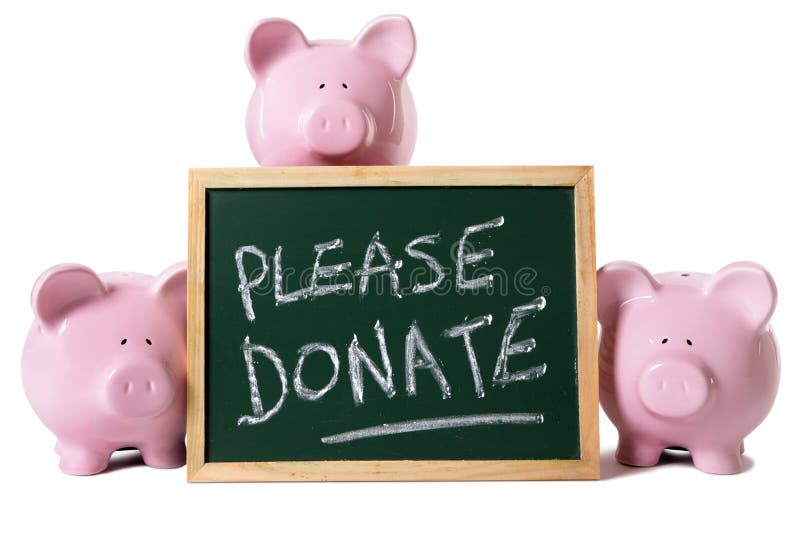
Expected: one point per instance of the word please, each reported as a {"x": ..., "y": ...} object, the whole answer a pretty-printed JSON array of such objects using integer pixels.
[
  {"x": 323, "y": 273},
  {"x": 418, "y": 358}
]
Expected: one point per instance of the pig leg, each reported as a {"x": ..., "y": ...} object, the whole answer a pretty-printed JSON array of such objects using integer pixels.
[
  {"x": 637, "y": 451},
  {"x": 81, "y": 460},
  {"x": 721, "y": 460},
  {"x": 164, "y": 455}
]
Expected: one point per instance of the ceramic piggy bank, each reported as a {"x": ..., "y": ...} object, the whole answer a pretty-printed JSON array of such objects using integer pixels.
[
  {"x": 331, "y": 102},
  {"x": 687, "y": 360},
  {"x": 104, "y": 365}
]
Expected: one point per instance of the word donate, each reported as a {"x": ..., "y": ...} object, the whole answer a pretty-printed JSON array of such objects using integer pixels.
[{"x": 408, "y": 335}]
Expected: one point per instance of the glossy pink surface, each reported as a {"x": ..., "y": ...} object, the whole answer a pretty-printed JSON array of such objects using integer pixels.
[
  {"x": 104, "y": 365},
  {"x": 686, "y": 360},
  {"x": 331, "y": 102}
]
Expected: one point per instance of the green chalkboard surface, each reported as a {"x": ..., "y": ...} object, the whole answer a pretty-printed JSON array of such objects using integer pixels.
[{"x": 372, "y": 323}]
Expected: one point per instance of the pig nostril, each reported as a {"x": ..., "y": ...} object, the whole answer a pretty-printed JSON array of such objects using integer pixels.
[
  {"x": 663, "y": 385},
  {"x": 325, "y": 124},
  {"x": 150, "y": 385},
  {"x": 345, "y": 124},
  {"x": 128, "y": 387},
  {"x": 685, "y": 386}
]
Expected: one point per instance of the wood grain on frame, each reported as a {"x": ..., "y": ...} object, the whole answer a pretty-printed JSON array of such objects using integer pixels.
[{"x": 580, "y": 178}]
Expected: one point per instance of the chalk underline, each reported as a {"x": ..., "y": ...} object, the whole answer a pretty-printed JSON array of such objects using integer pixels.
[{"x": 438, "y": 423}]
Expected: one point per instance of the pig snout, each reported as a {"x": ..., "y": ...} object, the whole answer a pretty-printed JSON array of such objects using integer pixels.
[
  {"x": 674, "y": 388},
  {"x": 141, "y": 389},
  {"x": 335, "y": 128}
]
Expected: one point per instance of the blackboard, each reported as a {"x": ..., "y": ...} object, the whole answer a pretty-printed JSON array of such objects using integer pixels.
[{"x": 392, "y": 323}]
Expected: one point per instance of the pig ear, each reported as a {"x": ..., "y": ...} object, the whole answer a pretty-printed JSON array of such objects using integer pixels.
[
  {"x": 61, "y": 289},
  {"x": 171, "y": 286},
  {"x": 270, "y": 40},
  {"x": 746, "y": 286},
  {"x": 619, "y": 282},
  {"x": 391, "y": 40}
]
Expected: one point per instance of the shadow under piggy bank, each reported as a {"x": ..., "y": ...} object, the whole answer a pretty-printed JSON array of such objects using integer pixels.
[{"x": 610, "y": 468}]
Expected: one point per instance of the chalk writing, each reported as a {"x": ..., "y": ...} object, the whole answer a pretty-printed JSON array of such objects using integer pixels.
[
  {"x": 417, "y": 355},
  {"x": 459, "y": 421}
]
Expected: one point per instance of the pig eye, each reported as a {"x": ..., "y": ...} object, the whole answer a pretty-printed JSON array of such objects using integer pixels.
[
  {"x": 123, "y": 341},
  {"x": 344, "y": 85},
  {"x": 321, "y": 86},
  {"x": 664, "y": 341},
  {"x": 149, "y": 342},
  {"x": 689, "y": 342}
]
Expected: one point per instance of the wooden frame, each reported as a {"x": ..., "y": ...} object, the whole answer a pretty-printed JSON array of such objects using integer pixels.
[{"x": 580, "y": 178}]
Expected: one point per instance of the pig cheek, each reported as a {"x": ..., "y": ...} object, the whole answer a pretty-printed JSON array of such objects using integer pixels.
[
  {"x": 86, "y": 371},
  {"x": 75, "y": 377},
  {"x": 174, "y": 358},
  {"x": 382, "y": 110},
  {"x": 632, "y": 358},
  {"x": 282, "y": 115},
  {"x": 167, "y": 339},
  {"x": 169, "y": 348},
  {"x": 734, "y": 365}
]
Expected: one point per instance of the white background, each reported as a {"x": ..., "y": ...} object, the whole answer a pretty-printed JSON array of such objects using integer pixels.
[{"x": 688, "y": 110}]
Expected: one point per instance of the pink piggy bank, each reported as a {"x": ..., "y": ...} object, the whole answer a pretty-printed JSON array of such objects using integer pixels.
[
  {"x": 331, "y": 102},
  {"x": 686, "y": 360},
  {"x": 104, "y": 364}
]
